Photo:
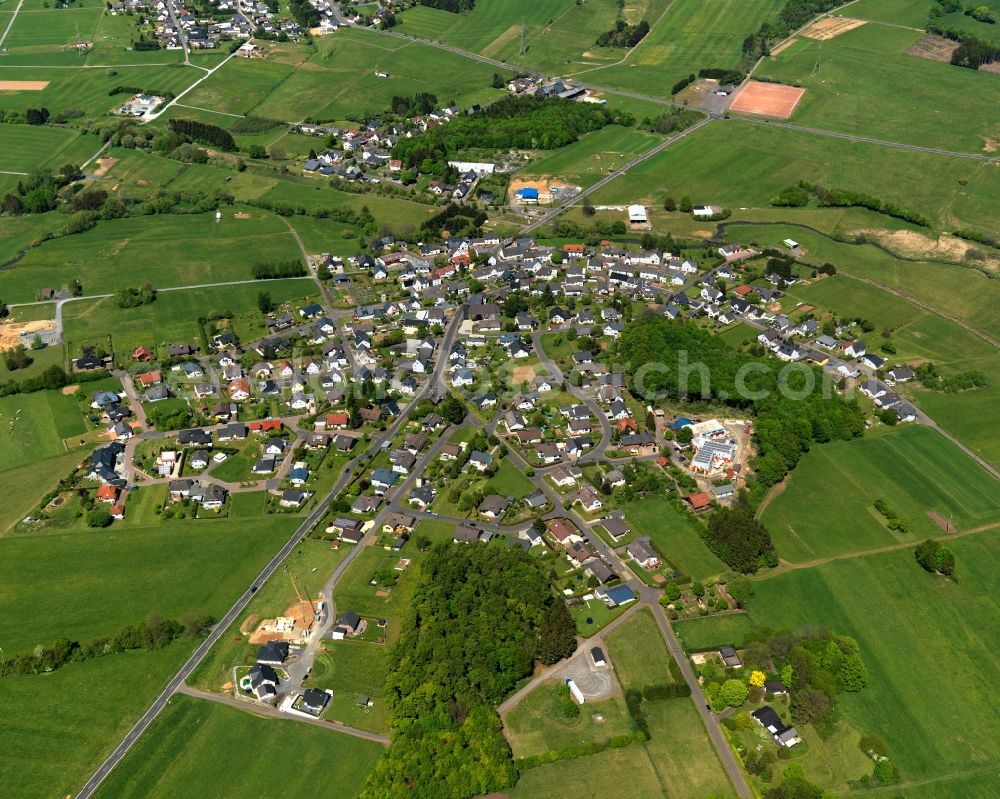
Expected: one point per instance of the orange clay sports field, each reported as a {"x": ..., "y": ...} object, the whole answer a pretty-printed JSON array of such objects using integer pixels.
[{"x": 767, "y": 99}]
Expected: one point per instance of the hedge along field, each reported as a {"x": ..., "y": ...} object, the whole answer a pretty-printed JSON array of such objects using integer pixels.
[
  {"x": 827, "y": 507},
  {"x": 770, "y": 159},
  {"x": 866, "y": 84},
  {"x": 167, "y": 250},
  {"x": 207, "y": 749},
  {"x": 929, "y": 645},
  {"x": 174, "y": 315},
  {"x": 87, "y": 88},
  {"x": 691, "y": 35}
]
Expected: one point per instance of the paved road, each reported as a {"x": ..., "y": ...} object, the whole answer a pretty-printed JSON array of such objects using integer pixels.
[
  {"x": 270, "y": 712},
  {"x": 178, "y": 680}
]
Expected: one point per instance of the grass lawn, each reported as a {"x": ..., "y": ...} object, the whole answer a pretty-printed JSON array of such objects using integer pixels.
[
  {"x": 127, "y": 252},
  {"x": 84, "y": 584},
  {"x": 352, "y": 669},
  {"x": 626, "y": 773},
  {"x": 248, "y": 504},
  {"x": 32, "y": 426},
  {"x": 853, "y": 91},
  {"x": 510, "y": 482},
  {"x": 593, "y": 616},
  {"x": 933, "y": 652},
  {"x": 638, "y": 653},
  {"x": 711, "y": 632},
  {"x": 827, "y": 507},
  {"x": 180, "y": 754},
  {"x": 537, "y": 725},
  {"x": 675, "y": 536},
  {"x": 27, "y": 147},
  {"x": 898, "y": 12},
  {"x": 557, "y": 347},
  {"x": 52, "y": 747}
]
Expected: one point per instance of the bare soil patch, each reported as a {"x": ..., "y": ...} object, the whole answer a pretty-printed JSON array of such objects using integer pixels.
[
  {"x": 10, "y": 332},
  {"x": 22, "y": 85},
  {"x": 249, "y": 623},
  {"x": 523, "y": 374},
  {"x": 828, "y": 27},
  {"x": 941, "y": 521},
  {"x": 934, "y": 48},
  {"x": 767, "y": 99},
  {"x": 990, "y": 145},
  {"x": 69, "y": 390},
  {"x": 103, "y": 165},
  {"x": 912, "y": 244},
  {"x": 994, "y": 67}
]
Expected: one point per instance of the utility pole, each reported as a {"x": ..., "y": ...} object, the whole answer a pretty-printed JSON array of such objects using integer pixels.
[{"x": 524, "y": 42}]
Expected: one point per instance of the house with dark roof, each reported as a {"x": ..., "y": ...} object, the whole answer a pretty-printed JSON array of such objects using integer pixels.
[{"x": 783, "y": 734}]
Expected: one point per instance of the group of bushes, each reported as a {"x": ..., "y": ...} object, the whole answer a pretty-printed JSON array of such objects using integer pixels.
[
  {"x": 277, "y": 270},
  {"x": 623, "y": 34}
]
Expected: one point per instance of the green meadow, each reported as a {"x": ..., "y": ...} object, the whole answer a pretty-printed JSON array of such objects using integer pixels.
[
  {"x": 25, "y": 485},
  {"x": 200, "y": 747},
  {"x": 897, "y": 12},
  {"x": 950, "y": 191},
  {"x": 167, "y": 251},
  {"x": 929, "y": 646},
  {"x": 827, "y": 506},
  {"x": 173, "y": 317},
  {"x": 28, "y": 147},
  {"x": 674, "y": 536},
  {"x": 90, "y": 583},
  {"x": 51, "y": 30},
  {"x": 854, "y": 82},
  {"x": 584, "y": 162},
  {"x": 33, "y": 426}
]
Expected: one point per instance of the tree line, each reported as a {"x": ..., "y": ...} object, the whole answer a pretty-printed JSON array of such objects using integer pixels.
[
  {"x": 798, "y": 195},
  {"x": 474, "y": 630},
  {"x": 134, "y": 297},
  {"x": 275, "y": 270},
  {"x": 205, "y": 133},
  {"x": 54, "y": 377},
  {"x": 512, "y": 122},
  {"x": 454, "y": 6}
]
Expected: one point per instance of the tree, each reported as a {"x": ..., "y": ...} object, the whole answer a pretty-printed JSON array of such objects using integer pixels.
[
  {"x": 757, "y": 679},
  {"x": 672, "y": 591},
  {"x": 734, "y": 693},
  {"x": 558, "y": 634},
  {"x": 944, "y": 561},
  {"x": 17, "y": 358},
  {"x": 669, "y": 203},
  {"x": 686, "y": 204},
  {"x": 684, "y": 435},
  {"x": 98, "y": 517},
  {"x": 265, "y": 303},
  {"x": 452, "y": 410}
]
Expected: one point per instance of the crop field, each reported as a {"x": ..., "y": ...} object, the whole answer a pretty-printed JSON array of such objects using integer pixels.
[
  {"x": 897, "y": 12},
  {"x": 674, "y": 536},
  {"x": 557, "y": 32},
  {"x": 166, "y": 250},
  {"x": 52, "y": 747},
  {"x": 537, "y": 724},
  {"x": 212, "y": 750},
  {"x": 28, "y": 147},
  {"x": 934, "y": 631},
  {"x": 852, "y": 88},
  {"x": 33, "y": 427},
  {"x": 52, "y": 29},
  {"x": 773, "y": 159},
  {"x": 87, "y": 89},
  {"x": 827, "y": 507},
  {"x": 690, "y": 35},
  {"x": 584, "y": 162},
  {"x": 85, "y": 584},
  {"x": 338, "y": 80}
]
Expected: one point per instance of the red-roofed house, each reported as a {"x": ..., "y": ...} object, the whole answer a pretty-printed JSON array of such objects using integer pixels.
[
  {"x": 239, "y": 390},
  {"x": 565, "y": 533},
  {"x": 153, "y": 378},
  {"x": 142, "y": 354},
  {"x": 743, "y": 290},
  {"x": 264, "y": 425},
  {"x": 698, "y": 501},
  {"x": 107, "y": 493},
  {"x": 338, "y": 421}
]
